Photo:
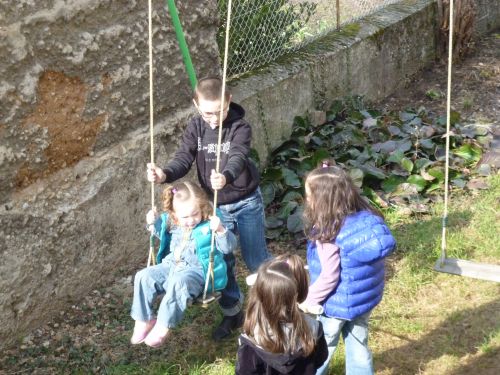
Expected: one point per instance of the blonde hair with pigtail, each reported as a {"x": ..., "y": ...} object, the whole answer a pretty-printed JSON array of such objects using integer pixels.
[{"x": 181, "y": 192}]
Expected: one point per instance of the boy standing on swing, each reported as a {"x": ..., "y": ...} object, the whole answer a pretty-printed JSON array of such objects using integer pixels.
[{"x": 239, "y": 198}]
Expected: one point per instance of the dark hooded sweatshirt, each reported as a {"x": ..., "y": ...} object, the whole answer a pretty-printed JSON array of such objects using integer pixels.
[
  {"x": 199, "y": 142},
  {"x": 253, "y": 360}
]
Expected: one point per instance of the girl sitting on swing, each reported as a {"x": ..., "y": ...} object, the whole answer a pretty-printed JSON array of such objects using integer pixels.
[{"x": 185, "y": 242}]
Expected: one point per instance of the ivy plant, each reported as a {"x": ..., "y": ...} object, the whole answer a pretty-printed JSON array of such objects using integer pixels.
[{"x": 396, "y": 158}]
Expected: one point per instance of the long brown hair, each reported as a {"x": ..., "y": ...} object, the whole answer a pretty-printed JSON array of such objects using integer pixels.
[
  {"x": 297, "y": 266},
  {"x": 330, "y": 197},
  {"x": 272, "y": 305},
  {"x": 183, "y": 192}
]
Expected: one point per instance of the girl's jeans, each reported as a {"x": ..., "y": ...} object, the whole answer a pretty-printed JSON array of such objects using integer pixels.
[
  {"x": 358, "y": 357},
  {"x": 245, "y": 217},
  {"x": 179, "y": 282}
]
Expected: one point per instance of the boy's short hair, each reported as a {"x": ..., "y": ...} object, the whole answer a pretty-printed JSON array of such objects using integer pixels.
[{"x": 210, "y": 88}]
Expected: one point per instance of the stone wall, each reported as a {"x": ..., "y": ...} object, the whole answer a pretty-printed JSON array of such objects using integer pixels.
[{"x": 74, "y": 130}]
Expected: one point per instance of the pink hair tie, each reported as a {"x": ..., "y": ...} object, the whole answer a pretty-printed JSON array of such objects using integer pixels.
[{"x": 174, "y": 191}]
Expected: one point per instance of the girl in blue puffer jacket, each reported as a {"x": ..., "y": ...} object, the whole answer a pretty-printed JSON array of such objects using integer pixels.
[{"x": 348, "y": 241}]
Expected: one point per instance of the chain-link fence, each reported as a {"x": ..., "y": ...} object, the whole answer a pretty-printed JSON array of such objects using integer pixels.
[{"x": 263, "y": 30}]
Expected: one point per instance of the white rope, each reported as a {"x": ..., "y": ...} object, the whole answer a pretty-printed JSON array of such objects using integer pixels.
[
  {"x": 151, "y": 258},
  {"x": 447, "y": 155},
  {"x": 219, "y": 140}
]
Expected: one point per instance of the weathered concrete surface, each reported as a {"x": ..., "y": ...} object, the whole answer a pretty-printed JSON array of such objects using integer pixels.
[
  {"x": 74, "y": 117},
  {"x": 487, "y": 16}
]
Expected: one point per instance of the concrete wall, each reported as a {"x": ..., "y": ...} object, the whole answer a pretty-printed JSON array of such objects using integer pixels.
[
  {"x": 487, "y": 16},
  {"x": 74, "y": 141},
  {"x": 74, "y": 125}
]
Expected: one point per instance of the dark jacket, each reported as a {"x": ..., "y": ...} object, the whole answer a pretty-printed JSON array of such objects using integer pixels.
[
  {"x": 252, "y": 359},
  {"x": 200, "y": 142},
  {"x": 364, "y": 241}
]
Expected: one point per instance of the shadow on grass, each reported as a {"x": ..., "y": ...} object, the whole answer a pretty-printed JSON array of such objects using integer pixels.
[
  {"x": 461, "y": 334},
  {"x": 419, "y": 242}
]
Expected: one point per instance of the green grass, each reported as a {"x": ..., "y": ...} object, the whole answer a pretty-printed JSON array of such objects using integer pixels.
[{"x": 428, "y": 322}]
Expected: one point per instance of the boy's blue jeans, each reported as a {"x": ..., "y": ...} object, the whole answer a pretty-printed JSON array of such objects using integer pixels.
[
  {"x": 246, "y": 218},
  {"x": 358, "y": 357},
  {"x": 179, "y": 282}
]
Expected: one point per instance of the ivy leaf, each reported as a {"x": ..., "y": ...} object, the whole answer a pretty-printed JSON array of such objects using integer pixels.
[
  {"x": 386, "y": 147},
  {"x": 287, "y": 209},
  {"x": 407, "y": 164},
  {"x": 273, "y": 222},
  {"x": 268, "y": 193},
  {"x": 369, "y": 122},
  {"x": 469, "y": 152},
  {"x": 396, "y": 157},
  {"x": 406, "y": 116},
  {"x": 292, "y": 195},
  {"x": 422, "y": 163},
  {"x": 416, "y": 122},
  {"x": 294, "y": 222},
  {"x": 374, "y": 171},
  {"x": 434, "y": 186},
  {"x": 418, "y": 181},
  {"x": 357, "y": 175},
  {"x": 391, "y": 184},
  {"x": 272, "y": 234},
  {"x": 438, "y": 173},
  {"x": 394, "y": 130},
  {"x": 459, "y": 182},
  {"x": 484, "y": 170},
  {"x": 427, "y": 143},
  {"x": 291, "y": 178},
  {"x": 272, "y": 174},
  {"x": 404, "y": 145}
]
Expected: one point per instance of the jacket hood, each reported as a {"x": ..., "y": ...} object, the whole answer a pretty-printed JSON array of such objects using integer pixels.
[
  {"x": 236, "y": 112},
  {"x": 284, "y": 363}
]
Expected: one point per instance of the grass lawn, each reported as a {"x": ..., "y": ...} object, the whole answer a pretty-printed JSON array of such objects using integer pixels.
[{"x": 427, "y": 323}]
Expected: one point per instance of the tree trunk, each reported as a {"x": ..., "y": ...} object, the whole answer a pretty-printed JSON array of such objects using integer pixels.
[{"x": 463, "y": 26}]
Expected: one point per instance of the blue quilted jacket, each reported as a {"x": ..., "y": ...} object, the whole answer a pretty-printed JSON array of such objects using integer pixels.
[{"x": 364, "y": 241}]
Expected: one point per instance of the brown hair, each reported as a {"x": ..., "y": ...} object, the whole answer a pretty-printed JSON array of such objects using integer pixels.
[
  {"x": 272, "y": 304},
  {"x": 210, "y": 88},
  {"x": 297, "y": 266},
  {"x": 332, "y": 197},
  {"x": 183, "y": 192}
]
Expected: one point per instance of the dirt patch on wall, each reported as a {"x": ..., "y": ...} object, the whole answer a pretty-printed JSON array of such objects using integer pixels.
[{"x": 60, "y": 107}]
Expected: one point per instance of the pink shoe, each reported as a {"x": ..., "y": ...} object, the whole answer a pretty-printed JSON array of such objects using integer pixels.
[
  {"x": 141, "y": 330},
  {"x": 157, "y": 336}
]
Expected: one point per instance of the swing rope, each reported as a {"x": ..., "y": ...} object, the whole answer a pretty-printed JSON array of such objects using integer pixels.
[
  {"x": 210, "y": 273},
  {"x": 447, "y": 154},
  {"x": 151, "y": 255}
]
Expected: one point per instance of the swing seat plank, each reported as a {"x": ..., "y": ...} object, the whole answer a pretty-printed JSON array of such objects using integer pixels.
[{"x": 483, "y": 271}]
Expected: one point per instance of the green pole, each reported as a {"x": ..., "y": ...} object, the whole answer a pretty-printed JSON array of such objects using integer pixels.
[{"x": 182, "y": 42}]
